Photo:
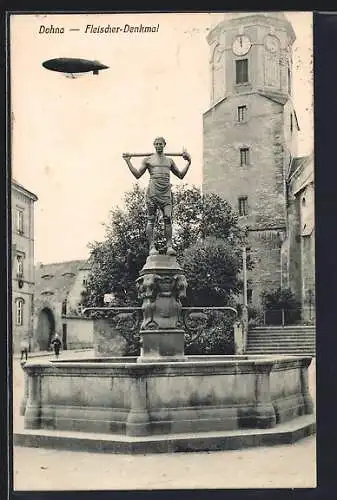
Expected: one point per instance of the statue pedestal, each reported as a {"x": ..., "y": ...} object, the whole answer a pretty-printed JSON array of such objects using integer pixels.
[
  {"x": 162, "y": 345},
  {"x": 161, "y": 285}
]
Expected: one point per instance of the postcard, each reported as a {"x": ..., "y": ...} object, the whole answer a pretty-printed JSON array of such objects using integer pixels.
[{"x": 163, "y": 250}]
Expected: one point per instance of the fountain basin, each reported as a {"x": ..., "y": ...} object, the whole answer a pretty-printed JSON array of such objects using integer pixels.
[{"x": 198, "y": 395}]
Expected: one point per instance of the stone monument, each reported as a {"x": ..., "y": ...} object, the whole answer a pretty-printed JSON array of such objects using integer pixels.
[
  {"x": 161, "y": 284},
  {"x": 163, "y": 400}
]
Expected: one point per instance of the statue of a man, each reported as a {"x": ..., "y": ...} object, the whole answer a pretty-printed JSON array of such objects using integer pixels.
[{"x": 159, "y": 195}]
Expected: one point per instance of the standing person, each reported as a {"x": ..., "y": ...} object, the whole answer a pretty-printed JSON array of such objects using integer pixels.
[
  {"x": 56, "y": 343},
  {"x": 24, "y": 347},
  {"x": 159, "y": 195}
]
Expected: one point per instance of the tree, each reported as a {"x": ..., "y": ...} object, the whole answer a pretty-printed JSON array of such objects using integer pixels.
[
  {"x": 206, "y": 235},
  {"x": 281, "y": 300},
  {"x": 211, "y": 267}
]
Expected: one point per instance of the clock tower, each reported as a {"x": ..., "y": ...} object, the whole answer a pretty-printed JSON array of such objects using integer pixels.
[{"x": 250, "y": 134}]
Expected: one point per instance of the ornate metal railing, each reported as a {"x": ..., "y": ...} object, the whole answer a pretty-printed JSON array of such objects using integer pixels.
[
  {"x": 283, "y": 316},
  {"x": 127, "y": 320},
  {"x": 197, "y": 319}
]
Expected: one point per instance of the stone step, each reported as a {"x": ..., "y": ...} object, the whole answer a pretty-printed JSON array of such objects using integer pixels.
[
  {"x": 279, "y": 349},
  {"x": 304, "y": 327},
  {"x": 280, "y": 346},
  {"x": 282, "y": 353},
  {"x": 282, "y": 341},
  {"x": 273, "y": 330},
  {"x": 292, "y": 339},
  {"x": 273, "y": 337},
  {"x": 281, "y": 332},
  {"x": 296, "y": 325},
  {"x": 310, "y": 352},
  {"x": 276, "y": 337}
]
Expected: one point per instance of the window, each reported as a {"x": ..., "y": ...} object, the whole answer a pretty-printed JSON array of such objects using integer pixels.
[
  {"x": 242, "y": 113},
  {"x": 241, "y": 71},
  {"x": 291, "y": 122},
  {"x": 243, "y": 205},
  {"x": 84, "y": 282},
  {"x": 19, "y": 266},
  {"x": 19, "y": 220},
  {"x": 64, "y": 307},
  {"x": 19, "y": 312},
  {"x": 244, "y": 156},
  {"x": 289, "y": 81}
]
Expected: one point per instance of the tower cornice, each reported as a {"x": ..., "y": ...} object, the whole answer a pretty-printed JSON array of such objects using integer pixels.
[{"x": 265, "y": 19}]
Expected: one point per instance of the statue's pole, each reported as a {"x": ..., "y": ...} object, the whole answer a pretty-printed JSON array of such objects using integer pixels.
[{"x": 149, "y": 154}]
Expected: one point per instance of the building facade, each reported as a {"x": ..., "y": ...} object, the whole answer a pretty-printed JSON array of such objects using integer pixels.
[
  {"x": 301, "y": 234},
  {"x": 22, "y": 263},
  {"x": 58, "y": 295},
  {"x": 250, "y": 143}
]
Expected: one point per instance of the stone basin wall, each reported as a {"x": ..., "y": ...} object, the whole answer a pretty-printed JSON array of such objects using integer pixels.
[{"x": 201, "y": 394}]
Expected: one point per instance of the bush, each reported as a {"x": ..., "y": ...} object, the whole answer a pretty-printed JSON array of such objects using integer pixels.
[
  {"x": 255, "y": 316},
  {"x": 277, "y": 300},
  {"x": 215, "y": 337}
]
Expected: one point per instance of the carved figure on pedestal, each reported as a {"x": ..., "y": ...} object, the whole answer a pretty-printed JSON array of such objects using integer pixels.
[
  {"x": 180, "y": 286},
  {"x": 147, "y": 291}
]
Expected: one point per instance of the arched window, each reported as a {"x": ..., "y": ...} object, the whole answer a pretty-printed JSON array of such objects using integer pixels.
[
  {"x": 19, "y": 265},
  {"x": 19, "y": 311}
]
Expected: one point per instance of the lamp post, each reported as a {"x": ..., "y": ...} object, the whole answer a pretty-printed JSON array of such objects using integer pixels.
[{"x": 245, "y": 295}]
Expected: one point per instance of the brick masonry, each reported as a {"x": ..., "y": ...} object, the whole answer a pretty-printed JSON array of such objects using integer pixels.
[{"x": 269, "y": 130}]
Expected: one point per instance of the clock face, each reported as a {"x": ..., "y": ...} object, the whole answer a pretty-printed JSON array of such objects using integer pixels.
[
  {"x": 272, "y": 43},
  {"x": 241, "y": 45}
]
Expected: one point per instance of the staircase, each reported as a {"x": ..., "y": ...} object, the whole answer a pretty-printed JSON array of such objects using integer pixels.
[{"x": 282, "y": 340}]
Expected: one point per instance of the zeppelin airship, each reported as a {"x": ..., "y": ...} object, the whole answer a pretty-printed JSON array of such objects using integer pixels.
[{"x": 71, "y": 65}]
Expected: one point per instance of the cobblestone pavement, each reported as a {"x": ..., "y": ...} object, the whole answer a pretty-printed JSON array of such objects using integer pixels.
[{"x": 285, "y": 466}]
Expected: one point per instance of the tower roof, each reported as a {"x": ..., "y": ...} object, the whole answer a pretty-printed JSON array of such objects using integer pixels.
[
  {"x": 237, "y": 18},
  {"x": 237, "y": 15}
]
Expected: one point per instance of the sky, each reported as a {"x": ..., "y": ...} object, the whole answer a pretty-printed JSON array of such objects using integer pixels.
[{"x": 68, "y": 135}]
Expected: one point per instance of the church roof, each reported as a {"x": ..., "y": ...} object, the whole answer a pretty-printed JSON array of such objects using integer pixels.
[
  {"x": 273, "y": 96},
  {"x": 19, "y": 187},
  {"x": 56, "y": 279},
  {"x": 298, "y": 164}
]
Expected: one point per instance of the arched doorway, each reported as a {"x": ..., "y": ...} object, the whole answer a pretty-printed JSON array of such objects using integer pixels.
[{"x": 45, "y": 328}]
